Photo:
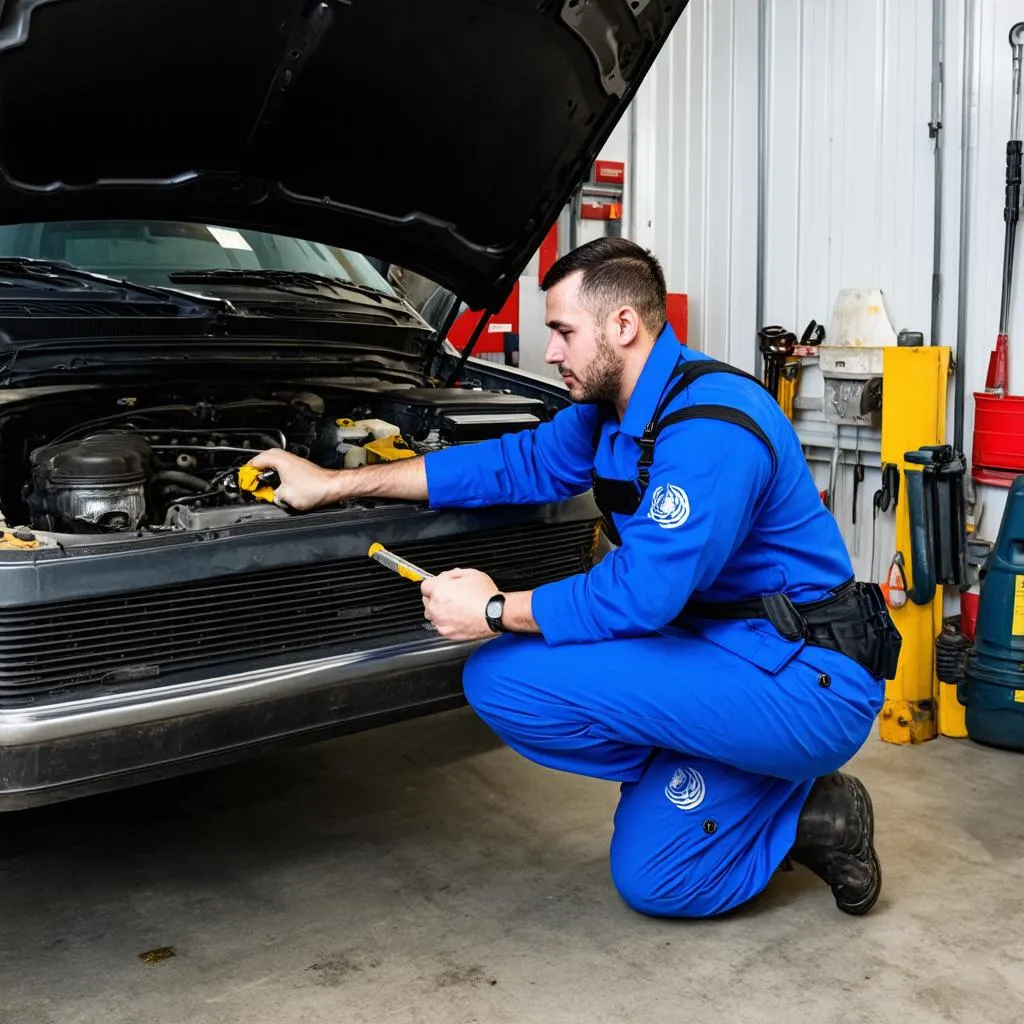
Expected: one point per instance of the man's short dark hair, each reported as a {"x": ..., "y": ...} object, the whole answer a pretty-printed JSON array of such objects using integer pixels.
[{"x": 616, "y": 272}]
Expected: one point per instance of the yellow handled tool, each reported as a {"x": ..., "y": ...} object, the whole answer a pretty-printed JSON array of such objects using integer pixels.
[
  {"x": 789, "y": 382},
  {"x": 260, "y": 483},
  {"x": 396, "y": 563}
]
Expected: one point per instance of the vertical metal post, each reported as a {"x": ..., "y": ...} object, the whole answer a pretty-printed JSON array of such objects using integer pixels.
[
  {"x": 629, "y": 193},
  {"x": 574, "y": 215},
  {"x": 966, "y": 134},
  {"x": 762, "y": 172},
  {"x": 935, "y": 134}
]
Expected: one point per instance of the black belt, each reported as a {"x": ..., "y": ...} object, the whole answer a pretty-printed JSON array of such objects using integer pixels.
[{"x": 853, "y": 620}]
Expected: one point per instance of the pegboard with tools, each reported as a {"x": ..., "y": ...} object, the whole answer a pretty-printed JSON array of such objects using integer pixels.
[{"x": 829, "y": 383}]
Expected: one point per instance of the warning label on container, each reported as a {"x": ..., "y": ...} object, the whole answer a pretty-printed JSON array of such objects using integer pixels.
[{"x": 1018, "y": 607}]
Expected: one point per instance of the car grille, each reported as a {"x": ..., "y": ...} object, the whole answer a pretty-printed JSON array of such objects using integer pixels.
[{"x": 135, "y": 637}]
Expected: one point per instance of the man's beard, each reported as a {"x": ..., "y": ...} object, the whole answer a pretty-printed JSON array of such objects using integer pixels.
[{"x": 602, "y": 379}]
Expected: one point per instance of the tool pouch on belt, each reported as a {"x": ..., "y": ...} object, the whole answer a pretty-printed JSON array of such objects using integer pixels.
[{"x": 854, "y": 621}]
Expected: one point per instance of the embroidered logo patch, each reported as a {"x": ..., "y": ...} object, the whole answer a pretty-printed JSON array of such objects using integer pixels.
[
  {"x": 686, "y": 790},
  {"x": 670, "y": 507}
]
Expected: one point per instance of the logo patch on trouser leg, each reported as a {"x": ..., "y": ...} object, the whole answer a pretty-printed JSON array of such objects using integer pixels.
[{"x": 687, "y": 789}]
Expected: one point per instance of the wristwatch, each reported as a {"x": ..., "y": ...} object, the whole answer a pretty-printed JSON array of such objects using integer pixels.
[{"x": 493, "y": 611}]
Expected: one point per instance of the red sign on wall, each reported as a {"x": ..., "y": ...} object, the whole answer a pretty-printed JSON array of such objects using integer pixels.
[{"x": 610, "y": 172}]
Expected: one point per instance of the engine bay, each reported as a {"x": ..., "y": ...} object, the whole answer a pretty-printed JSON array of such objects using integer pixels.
[{"x": 100, "y": 463}]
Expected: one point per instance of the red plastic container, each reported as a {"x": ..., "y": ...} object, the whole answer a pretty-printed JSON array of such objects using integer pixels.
[
  {"x": 998, "y": 432},
  {"x": 969, "y": 614}
]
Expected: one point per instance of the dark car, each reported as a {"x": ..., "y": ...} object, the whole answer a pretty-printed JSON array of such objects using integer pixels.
[{"x": 186, "y": 194}]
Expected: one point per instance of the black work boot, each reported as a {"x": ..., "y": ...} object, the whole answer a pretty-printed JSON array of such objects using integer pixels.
[{"x": 835, "y": 840}]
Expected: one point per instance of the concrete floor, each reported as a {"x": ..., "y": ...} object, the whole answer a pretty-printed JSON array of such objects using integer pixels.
[{"x": 424, "y": 873}]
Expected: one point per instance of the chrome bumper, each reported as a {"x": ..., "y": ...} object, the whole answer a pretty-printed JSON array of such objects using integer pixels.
[{"x": 80, "y": 746}]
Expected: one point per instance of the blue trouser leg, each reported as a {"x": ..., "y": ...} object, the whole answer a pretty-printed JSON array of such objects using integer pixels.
[{"x": 716, "y": 756}]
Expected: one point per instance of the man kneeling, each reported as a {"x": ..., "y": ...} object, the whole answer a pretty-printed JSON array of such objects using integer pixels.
[{"x": 720, "y": 662}]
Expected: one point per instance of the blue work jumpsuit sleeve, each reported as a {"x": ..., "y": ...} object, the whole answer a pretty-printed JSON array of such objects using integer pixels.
[
  {"x": 704, "y": 488},
  {"x": 549, "y": 463}
]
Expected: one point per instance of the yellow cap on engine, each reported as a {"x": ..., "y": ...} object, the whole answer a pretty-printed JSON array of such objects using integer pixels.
[{"x": 388, "y": 449}]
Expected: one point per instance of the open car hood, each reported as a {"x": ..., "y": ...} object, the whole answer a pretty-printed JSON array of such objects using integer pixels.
[{"x": 441, "y": 135}]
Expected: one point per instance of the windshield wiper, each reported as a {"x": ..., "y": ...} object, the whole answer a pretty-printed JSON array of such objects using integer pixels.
[
  {"x": 278, "y": 279},
  {"x": 50, "y": 272}
]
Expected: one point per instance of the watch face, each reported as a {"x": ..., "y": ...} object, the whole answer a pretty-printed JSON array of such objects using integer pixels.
[{"x": 494, "y": 608}]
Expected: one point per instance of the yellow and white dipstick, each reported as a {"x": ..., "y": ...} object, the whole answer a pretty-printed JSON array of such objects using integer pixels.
[{"x": 396, "y": 563}]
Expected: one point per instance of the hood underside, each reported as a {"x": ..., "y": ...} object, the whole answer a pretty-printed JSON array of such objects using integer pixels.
[{"x": 441, "y": 135}]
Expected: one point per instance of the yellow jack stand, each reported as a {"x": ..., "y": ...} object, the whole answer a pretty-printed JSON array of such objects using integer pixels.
[{"x": 917, "y": 708}]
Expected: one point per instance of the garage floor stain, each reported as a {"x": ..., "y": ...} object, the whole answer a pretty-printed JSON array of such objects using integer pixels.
[{"x": 425, "y": 873}]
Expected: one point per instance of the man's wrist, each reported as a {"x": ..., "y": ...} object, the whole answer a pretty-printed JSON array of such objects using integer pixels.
[
  {"x": 335, "y": 490},
  {"x": 517, "y": 616}
]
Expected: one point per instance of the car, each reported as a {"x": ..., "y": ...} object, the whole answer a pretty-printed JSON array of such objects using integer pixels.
[{"x": 206, "y": 214}]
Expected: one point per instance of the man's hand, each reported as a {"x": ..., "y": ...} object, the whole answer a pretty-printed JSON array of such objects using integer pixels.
[
  {"x": 304, "y": 485},
  {"x": 455, "y": 600}
]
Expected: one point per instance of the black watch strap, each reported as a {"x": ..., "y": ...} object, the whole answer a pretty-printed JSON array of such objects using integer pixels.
[{"x": 493, "y": 611}]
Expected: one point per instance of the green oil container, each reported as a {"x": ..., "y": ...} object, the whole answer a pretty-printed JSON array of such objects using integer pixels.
[{"x": 992, "y": 688}]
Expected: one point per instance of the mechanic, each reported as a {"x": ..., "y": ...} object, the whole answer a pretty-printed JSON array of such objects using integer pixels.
[{"x": 719, "y": 662}]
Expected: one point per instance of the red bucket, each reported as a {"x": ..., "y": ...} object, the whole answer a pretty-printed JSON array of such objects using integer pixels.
[{"x": 998, "y": 432}]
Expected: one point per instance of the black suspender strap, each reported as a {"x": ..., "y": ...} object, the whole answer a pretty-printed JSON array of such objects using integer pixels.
[
  {"x": 685, "y": 374},
  {"x": 627, "y": 494},
  {"x": 716, "y": 412}
]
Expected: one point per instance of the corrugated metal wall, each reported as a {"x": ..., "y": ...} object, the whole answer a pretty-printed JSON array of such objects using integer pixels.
[
  {"x": 849, "y": 182},
  {"x": 849, "y": 188},
  {"x": 847, "y": 195},
  {"x": 848, "y": 191},
  {"x": 848, "y": 203},
  {"x": 694, "y": 194}
]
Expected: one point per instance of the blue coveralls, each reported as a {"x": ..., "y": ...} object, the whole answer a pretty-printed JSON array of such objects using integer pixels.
[{"x": 716, "y": 731}]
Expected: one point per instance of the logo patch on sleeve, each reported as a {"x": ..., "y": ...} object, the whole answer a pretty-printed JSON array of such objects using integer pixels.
[{"x": 670, "y": 507}]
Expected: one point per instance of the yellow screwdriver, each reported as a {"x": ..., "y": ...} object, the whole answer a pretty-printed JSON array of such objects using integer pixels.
[{"x": 396, "y": 563}]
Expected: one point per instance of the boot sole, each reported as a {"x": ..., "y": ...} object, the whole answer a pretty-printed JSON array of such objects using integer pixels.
[{"x": 862, "y": 906}]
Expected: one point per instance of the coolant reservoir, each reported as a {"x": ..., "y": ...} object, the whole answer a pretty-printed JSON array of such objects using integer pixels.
[
  {"x": 350, "y": 432},
  {"x": 379, "y": 428},
  {"x": 355, "y": 456}
]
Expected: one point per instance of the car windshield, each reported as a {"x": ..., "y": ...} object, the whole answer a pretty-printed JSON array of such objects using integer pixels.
[{"x": 148, "y": 252}]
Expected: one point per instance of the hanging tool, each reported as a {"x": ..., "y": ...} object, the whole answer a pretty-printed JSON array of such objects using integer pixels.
[
  {"x": 789, "y": 381},
  {"x": 934, "y": 482},
  {"x": 997, "y": 380},
  {"x": 814, "y": 334},
  {"x": 833, "y": 473},
  {"x": 894, "y": 589},
  {"x": 397, "y": 564},
  {"x": 886, "y": 495},
  {"x": 776, "y": 344},
  {"x": 889, "y": 493},
  {"x": 858, "y": 477}
]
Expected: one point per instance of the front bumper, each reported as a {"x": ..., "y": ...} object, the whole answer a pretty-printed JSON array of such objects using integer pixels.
[{"x": 77, "y": 747}]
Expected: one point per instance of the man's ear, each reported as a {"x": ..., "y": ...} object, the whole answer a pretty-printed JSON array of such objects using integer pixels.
[{"x": 624, "y": 326}]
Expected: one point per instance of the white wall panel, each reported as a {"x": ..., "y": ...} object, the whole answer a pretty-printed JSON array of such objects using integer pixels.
[
  {"x": 849, "y": 189},
  {"x": 695, "y": 194},
  {"x": 849, "y": 200},
  {"x": 850, "y": 185}
]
